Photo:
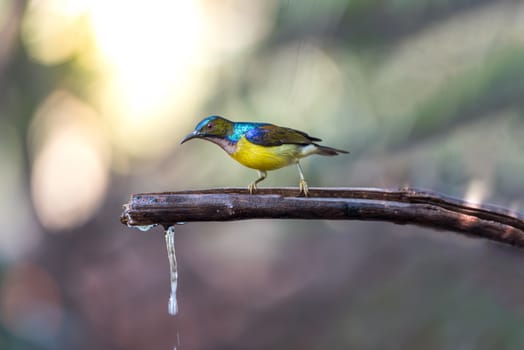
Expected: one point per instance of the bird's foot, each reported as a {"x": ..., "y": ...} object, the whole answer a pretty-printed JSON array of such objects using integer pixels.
[
  {"x": 304, "y": 188},
  {"x": 252, "y": 188}
]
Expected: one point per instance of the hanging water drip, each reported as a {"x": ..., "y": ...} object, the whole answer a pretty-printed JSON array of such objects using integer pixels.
[
  {"x": 145, "y": 227},
  {"x": 172, "y": 307}
]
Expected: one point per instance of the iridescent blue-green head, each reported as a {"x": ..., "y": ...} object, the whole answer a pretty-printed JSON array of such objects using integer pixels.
[{"x": 211, "y": 128}]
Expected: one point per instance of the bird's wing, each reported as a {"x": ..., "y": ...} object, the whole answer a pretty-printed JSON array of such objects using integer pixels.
[{"x": 272, "y": 135}]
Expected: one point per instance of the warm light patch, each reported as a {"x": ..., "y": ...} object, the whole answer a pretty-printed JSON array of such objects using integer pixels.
[
  {"x": 148, "y": 50},
  {"x": 54, "y": 30},
  {"x": 70, "y": 169},
  {"x": 476, "y": 192},
  {"x": 153, "y": 63}
]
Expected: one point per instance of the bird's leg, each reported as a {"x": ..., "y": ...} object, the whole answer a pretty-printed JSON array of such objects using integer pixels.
[
  {"x": 261, "y": 176},
  {"x": 302, "y": 183}
]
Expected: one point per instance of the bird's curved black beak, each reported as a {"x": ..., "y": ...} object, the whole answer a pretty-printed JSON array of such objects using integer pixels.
[{"x": 190, "y": 136}]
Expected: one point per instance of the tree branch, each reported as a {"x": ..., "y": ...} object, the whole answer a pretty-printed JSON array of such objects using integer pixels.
[{"x": 403, "y": 206}]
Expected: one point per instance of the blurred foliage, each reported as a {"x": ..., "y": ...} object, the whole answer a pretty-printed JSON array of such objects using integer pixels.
[{"x": 95, "y": 96}]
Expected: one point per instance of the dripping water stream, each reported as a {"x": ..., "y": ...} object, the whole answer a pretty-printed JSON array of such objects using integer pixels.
[{"x": 172, "y": 306}]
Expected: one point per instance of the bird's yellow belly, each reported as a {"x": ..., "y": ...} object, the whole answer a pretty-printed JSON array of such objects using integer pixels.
[{"x": 265, "y": 158}]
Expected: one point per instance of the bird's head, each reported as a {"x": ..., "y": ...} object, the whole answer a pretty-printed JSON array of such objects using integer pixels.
[{"x": 212, "y": 127}]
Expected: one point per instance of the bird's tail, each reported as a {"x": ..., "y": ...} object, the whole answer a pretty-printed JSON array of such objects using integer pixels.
[{"x": 328, "y": 151}]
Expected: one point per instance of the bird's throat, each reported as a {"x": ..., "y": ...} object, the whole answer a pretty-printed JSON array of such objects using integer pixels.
[{"x": 227, "y": 145}]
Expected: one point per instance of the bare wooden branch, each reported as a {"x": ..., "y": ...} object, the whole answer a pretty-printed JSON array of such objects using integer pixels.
[{"x": 403, "y": 206}]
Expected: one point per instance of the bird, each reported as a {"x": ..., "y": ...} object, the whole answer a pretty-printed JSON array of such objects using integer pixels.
[{"x": 261, "y": 146}]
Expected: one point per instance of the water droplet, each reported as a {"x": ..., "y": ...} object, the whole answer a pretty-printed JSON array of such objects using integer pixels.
[{"x": 144, "y": 228}]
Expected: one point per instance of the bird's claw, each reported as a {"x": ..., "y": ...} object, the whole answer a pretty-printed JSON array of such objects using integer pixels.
[
  {"x": 252, "y": 188},
  {"x": 303, "y": 187}
]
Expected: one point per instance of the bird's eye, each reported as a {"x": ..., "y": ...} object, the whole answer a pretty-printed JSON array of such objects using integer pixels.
[{"x": 210, "y": 126}]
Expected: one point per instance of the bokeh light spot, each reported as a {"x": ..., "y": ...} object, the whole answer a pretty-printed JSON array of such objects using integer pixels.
[
  {"x": 70, "y": 169},
  {"x": 54, "y": 30}
]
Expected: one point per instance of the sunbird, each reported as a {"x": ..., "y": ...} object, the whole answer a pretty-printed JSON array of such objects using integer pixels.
[{"x": 261, "y": 146}]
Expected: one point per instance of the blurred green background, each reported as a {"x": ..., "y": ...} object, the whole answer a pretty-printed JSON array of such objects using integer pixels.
[{"x": 95, "y": 96}]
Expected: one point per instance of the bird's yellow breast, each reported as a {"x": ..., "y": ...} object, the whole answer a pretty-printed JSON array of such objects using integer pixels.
[{"x": 265, "y": 158}]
